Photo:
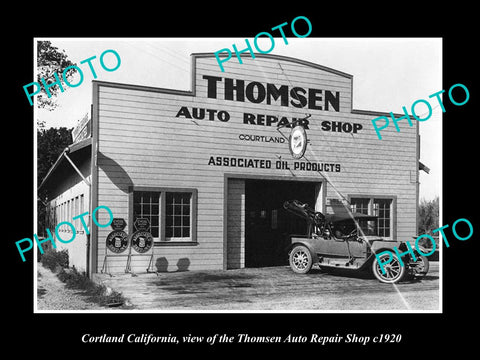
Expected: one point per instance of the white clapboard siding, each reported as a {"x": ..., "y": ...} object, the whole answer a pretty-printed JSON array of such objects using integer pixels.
[{"x": 142, "y": 142}]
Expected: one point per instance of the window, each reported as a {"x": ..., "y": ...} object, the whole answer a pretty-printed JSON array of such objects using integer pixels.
[
  {"x": 382, "y": 207},
  {"x": 178, "y": 215},
  {"x": 147, "y": 205},
  {"x": 170, "y": 212},
  {"x": 67, "y": 214},
  {"x": 360, "y": 205},
  {"x": 74, "y": 212},
  {"x": 82, "y": 206},
  {"x": 62, "y": 215}
]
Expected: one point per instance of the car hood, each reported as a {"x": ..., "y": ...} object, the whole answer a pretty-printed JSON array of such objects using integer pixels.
[{"x": 372, "y": 238}]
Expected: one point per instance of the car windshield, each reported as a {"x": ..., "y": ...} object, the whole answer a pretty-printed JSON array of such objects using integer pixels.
[
  {"x": 368, "y": 227},
  {"x": 345, "y": 227}
]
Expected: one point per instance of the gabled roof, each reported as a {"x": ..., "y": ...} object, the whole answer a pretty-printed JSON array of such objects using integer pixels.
[{"x": 281, "y": 58}]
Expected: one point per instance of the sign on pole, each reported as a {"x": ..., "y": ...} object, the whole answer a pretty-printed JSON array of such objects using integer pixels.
[
  {"x": 141, "y": 241},
  {"x": 116, "y": 241},
  {"x": 118, "y": 224},
  {"x": 297, "y": 142}
]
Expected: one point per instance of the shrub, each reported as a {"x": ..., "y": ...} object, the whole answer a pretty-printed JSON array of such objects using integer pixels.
[
  {"x": 53, "y": 259},
  {"x": 57, "y": 261},
  {"x": 74, "y": 280},
  {"x": 95, "y": 292}
]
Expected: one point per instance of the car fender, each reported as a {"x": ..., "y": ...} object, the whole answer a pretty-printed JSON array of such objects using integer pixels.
[
  {"x": 379, "y": 246},
  {"x": 422, "y": 250},
  {"x": 307, "y": 244},
  {"x": 368, "y": 262}
]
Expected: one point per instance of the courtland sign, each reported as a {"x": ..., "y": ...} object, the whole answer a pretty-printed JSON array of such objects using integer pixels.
[{"x": 239, "y": 90}]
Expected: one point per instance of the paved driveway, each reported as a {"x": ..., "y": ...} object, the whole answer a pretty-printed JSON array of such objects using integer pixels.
[{"x": 275, "y": 289}]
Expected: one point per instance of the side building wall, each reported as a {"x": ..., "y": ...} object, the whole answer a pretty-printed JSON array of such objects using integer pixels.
[{"x": 69, "y": 198}]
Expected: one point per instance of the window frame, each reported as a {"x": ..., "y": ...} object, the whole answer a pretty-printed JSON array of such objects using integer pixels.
[
  {"x": 162, "y": 240},
  {"x": 180, "y": 206},
  {"x": 393, "y": 210}
]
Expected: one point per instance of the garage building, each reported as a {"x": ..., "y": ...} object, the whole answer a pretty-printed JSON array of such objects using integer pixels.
[{"x": 211, "y": 167}]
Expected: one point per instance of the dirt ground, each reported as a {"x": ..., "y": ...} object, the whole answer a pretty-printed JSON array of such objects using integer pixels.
[
  {"x": 275, "y": 289},
  {"x": 53, "y": 295},
  {"x": 261, "y": 289}
]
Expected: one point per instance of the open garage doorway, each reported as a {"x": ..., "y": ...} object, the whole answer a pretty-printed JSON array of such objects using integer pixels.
[{"x": 267, "y": 224}]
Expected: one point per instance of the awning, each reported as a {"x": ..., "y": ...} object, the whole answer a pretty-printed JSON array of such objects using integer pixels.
[{"x": 73, "y": 149}]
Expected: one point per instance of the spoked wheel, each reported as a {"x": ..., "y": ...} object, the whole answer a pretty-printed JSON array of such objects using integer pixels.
[
  {"x": 300, "y": 260},
  {"x": 421, "y": 266},
  {"x": 393, "y": 271}
]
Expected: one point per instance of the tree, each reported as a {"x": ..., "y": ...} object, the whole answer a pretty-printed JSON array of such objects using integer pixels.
[
  {"x": 428, "y": 214},
  {"x": 51, "y": 143},
  {"x": 50, "y": 61}
]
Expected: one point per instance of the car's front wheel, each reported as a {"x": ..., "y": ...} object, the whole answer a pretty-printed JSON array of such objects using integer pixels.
[
  {"x": 300, "y": 259},
  {"x": 393, "y": 271}
]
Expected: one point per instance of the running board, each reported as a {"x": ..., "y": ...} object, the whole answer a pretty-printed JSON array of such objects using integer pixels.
[{"x": 339, "y": 262}]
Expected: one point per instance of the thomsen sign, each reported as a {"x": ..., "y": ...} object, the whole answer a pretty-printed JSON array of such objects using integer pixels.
[
  {"x": 269, "y": 94},
  {"x": 257, "y": 93}
]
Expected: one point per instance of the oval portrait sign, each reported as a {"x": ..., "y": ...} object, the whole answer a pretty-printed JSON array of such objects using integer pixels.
[
  {"x": 297, "y": 142},
  {"x": 142, "y": 241},
  {"x": 117, "y": 241}
]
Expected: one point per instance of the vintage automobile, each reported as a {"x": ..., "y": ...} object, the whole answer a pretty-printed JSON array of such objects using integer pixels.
[{"x": 337, "y": 241}]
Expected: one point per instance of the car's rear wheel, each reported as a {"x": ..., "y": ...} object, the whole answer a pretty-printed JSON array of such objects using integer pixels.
[
  {"x": 393, "y": 271},
  {"x": 421, "y": 265},
  {"x": 300, "y": 259}
]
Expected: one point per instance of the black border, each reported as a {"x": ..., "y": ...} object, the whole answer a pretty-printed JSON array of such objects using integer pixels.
[{"x": 427, "y": 334}]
